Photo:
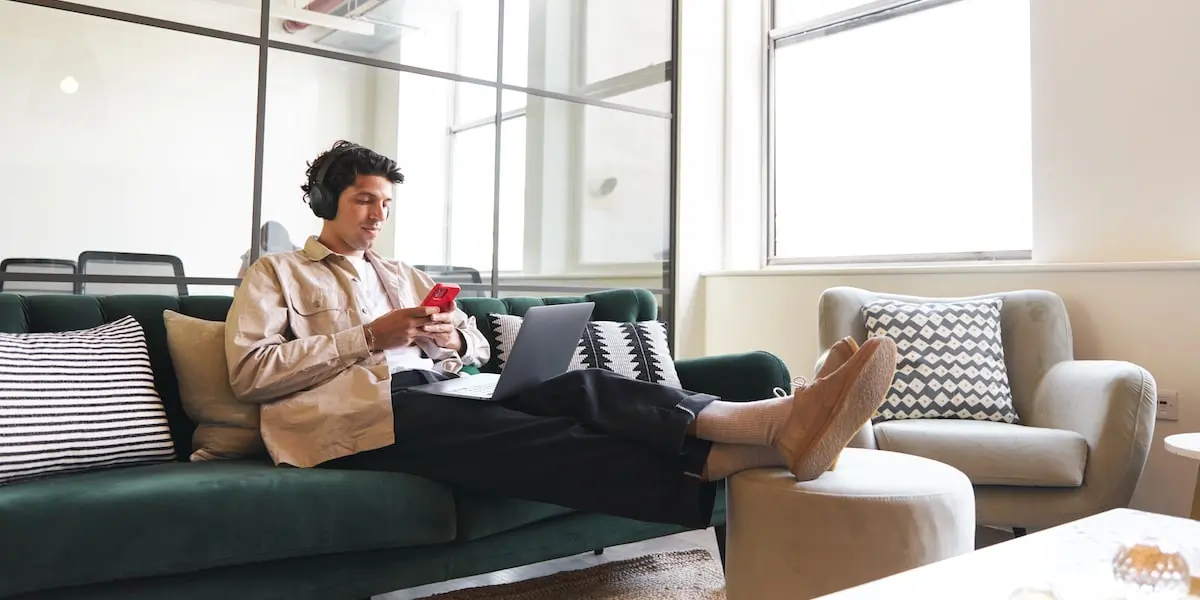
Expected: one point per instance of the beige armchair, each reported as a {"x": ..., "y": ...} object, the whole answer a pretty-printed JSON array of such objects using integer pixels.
[{"x": 1086, "y": 425}]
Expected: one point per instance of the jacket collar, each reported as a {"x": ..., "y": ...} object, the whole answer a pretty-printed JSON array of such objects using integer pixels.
[{"x": 316, "y": 251}]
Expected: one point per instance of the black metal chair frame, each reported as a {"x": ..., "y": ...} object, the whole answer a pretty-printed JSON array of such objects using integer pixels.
[
  {"x": 134, "y": 257},
  {"x": 48, "y": 262}
]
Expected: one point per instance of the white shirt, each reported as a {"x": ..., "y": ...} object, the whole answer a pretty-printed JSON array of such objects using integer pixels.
[{"x": 399, "y": 359}]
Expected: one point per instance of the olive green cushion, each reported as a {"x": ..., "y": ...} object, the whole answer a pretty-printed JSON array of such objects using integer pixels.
[{"x": 182, "y": 517}]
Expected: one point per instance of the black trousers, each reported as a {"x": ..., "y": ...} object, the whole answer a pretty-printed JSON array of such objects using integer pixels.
[{"x": 589, "y": 440}]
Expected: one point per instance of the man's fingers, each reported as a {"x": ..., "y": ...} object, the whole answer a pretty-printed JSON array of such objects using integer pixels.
[{"x": 420, "y": 311}]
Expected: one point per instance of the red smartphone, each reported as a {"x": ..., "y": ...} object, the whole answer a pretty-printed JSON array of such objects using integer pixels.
[{"x": 442, "y": 296}]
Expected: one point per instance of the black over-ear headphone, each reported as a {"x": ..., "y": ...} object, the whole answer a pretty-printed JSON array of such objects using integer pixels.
[{"x": 320, "y": 199}]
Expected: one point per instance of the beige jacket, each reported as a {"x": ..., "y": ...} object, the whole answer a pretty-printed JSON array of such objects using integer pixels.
[{"x": 294, "y": 343}]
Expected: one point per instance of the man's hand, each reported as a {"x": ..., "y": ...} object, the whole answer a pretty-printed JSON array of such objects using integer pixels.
[
  {"x": 399, "y": 327},
  {"x": 442, "y": 332}
]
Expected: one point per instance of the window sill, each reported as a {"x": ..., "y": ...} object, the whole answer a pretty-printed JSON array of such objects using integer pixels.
[
  {"x": 960, "y": 268},
  {"x": 567, "y": 275}
]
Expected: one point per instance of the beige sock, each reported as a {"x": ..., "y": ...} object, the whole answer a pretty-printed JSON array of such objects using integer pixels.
[
  {"x": 756, "y": 422},
  {"x": 726, "y": 459}
]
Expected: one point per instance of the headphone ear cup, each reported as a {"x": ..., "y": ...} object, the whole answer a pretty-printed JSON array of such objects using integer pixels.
[{"x": 319, "y": 202}]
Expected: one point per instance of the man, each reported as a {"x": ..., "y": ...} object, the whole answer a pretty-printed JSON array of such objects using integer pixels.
[{"x": 330, "y": 337}]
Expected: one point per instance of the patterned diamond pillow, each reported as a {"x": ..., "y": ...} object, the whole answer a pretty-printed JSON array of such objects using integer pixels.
[
  {"x": 951, "y": 363},
  {"x": 635, "y": 350}
]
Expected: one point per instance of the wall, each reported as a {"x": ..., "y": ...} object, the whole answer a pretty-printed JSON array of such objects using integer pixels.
[
  {"x": 700, "y": 178},
  {"x": 154, "y": 151},
  {"x": 1115, "y": 83}
]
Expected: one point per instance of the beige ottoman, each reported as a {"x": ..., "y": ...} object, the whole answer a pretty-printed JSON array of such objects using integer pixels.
[{"x": 877, "y": 514}]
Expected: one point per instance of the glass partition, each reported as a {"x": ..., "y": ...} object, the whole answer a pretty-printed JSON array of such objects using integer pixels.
[{"x": 159, "y": 147}]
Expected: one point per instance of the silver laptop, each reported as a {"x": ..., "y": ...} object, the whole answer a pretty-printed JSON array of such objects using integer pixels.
[{"x": 543, "y": 349}]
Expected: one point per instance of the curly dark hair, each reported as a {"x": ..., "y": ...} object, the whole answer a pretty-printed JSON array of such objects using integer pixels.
[{"x": 349, "y": 161}]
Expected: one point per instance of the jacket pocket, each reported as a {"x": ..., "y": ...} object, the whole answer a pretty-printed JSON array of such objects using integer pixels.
[{"x": 319, "y": 311}]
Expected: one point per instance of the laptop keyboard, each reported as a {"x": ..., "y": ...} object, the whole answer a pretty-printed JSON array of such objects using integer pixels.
[{"x": 476, "y": 389}]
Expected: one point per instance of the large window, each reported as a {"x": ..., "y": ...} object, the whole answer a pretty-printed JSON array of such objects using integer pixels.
[
  {"x": 534, "y": 135},
  {"x": 899, "y": 130}
]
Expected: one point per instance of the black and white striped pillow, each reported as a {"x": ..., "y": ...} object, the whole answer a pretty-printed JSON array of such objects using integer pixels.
[
  {"x": 79, "y": 400},
  {"x": 636, "y": 350}
]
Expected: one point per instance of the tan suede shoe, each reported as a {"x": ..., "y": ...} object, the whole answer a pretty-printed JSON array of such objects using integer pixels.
[
  {"x": 838, "y": 354},
  {"x": 826, "y": 414}
]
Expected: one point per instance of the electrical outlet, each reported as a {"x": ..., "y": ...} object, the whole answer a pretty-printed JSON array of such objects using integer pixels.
[{"x": 1168, "y": 405}]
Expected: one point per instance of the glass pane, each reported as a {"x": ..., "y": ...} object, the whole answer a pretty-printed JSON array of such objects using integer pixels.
[
  {"x": 404, "y": 116},
  {"x": 472, "y": 198},
  {"x": 592, "y": 48},
  {"x": 311, "y": 103},
  {"x": 948, "y": 151},
  {"x": 235, "y": 16},
  {"x": 624, "y": 36},
  {"x": 512, "y": 195},
  {"x": 792, "y": 12},
  {"x": 454, "y": 37},
  {"x": 211, "y": 290},
  {"x": 624, "y": 185},
  {"x": 475, "y": 103},
  {"x": 591, "y": 187},
  {"x": 136, "y": 139}
]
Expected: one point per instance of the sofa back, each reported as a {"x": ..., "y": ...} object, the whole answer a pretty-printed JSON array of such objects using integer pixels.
[{"x": 49, "y": 313}]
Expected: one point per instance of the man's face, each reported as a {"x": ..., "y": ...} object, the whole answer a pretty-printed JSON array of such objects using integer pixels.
[{"x": 362, "y": 209}]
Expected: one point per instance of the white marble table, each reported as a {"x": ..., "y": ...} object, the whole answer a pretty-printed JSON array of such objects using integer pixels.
[
  {"x": 1187, "y": 445},
  {"x": 1073, "y": 560}
]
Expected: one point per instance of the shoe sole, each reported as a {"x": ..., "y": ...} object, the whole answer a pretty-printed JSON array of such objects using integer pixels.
[
  {"x": 846, "y": 342},
  {"x": 859, "y": 401}
]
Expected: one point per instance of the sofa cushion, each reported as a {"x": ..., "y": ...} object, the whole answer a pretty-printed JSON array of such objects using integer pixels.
[
  {"x": 992, "y": 453},
  {"x": 611, "y": 305},
  {"x": 481, "y": 515},
  {"x": 61, "y": 312},
  {"x": 79, "y": 400},
  {"x": 181, "y": 517},
  {"x": 225, "y": 427},
  {"x": 951, "y": 362},
  {"x": 637, "y": 350}
]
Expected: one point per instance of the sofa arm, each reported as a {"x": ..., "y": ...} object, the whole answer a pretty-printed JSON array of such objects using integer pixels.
[
  {"x": 1112, "y": 404},
  {"x": 746, "y": 376}
]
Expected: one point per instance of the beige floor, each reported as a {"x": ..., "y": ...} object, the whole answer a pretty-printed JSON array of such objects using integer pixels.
[{"x": 683, "y": 541}]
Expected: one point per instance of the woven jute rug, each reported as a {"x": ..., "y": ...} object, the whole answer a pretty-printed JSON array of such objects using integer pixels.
[{"x": 683, "y": 575}]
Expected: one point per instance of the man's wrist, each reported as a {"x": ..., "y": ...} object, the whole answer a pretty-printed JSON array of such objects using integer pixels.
[{"x": 370, "y": 335}]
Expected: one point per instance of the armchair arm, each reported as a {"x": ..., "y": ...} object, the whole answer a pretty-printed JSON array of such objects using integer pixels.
[
  {"x": 1113, "y": 405},
  {"x": 745, "y": 376}
]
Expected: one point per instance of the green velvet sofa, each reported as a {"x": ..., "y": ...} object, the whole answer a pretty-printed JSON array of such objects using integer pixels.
[{"x": 247, "y": 529}]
